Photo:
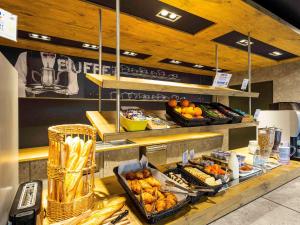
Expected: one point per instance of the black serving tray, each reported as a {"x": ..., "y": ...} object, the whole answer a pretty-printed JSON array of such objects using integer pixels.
[
  {"x": 179, "y": 119},
  {"x": 200, "y": 195},
  {"x": 154, "y": 217},
  {"x": 234, "y": 118},
  {"x": 213, "y": 120},
  {"x": 199, "y": 182}
]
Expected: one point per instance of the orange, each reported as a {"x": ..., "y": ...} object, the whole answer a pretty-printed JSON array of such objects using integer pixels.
[
  {"x": 192, "y": 105},
  {"x": 184, "y": 102},
  {"x": 197, "y": 111},
  {"x": 172, "y": 103},
  {"x": 190, "y": 110},
  {"x": 184, "y": 110}
]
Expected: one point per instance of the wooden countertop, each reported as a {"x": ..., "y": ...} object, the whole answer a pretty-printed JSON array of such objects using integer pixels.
[
  {"x": 40, "y": 153},
  {"x": 218, "y": 206}
]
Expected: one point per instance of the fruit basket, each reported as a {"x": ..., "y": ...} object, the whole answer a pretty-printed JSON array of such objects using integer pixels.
[
  {"x": 235, "y": 116},
  {"x": 216, "y": 117},
  {"x": 186, "y": 114}
]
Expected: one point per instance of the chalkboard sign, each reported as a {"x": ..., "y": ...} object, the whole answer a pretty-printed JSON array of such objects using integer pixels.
[{"x": 53, "y": 89}]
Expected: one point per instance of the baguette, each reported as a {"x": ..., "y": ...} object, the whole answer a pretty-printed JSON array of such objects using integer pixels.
[{"x": 99, "y": 216}]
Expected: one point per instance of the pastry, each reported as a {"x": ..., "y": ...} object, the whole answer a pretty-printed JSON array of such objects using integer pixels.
[
  {"x": 160, "y": 205},
  {"x": 130, "y": 176},
  {"x": 135, "y": 186},
  {"x": 153, "y": 182},
  {"x": 145, "y": 184},
  {"x": 139, "y": 175},
  {"x": 148, "y": 208},
  {"x": 147, "y": 198},
  {"x": 146, "y": 173}
]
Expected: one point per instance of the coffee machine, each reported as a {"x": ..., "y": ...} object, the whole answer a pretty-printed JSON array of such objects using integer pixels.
[{"x": 285, "y": 116}]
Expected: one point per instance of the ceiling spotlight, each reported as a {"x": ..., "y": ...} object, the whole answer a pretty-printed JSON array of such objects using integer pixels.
[
  {"x": 129, "y": 53},
  {"x": 167, "y": 15},
  {"x": 164, "y": 12},
  {"x": 40, "y": 37},
  {"x": 275, "y": 53},
  {"x": 173, "y": 61},
  {"x": 244, "y": 42},
  {"x": 198, "y": 66},
  {"x": 90, "y": 46}
]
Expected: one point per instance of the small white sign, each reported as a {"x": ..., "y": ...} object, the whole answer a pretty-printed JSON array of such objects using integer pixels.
[
  {"x": 8, "y": 25},
  {"x": 185, "y": 157},
  {"x": 192, "y": 154},
  {"x": 245, "y": 84},
  {"x": 222, "y": 79},
  {"x": 256, "y": 114}
]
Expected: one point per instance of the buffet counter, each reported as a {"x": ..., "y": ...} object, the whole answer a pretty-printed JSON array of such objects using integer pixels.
[{"x": 213, "y": 207}]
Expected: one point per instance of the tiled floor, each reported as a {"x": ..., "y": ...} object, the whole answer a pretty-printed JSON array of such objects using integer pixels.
[{"x": 279, "y": 207}]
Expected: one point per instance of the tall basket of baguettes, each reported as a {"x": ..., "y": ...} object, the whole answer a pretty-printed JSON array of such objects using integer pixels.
[{"x": 70, "y": 169}]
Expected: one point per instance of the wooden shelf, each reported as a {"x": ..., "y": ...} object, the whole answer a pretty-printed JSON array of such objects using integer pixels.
[
  {"x": 108, "y": 81},
  {"x": 106, "y": 128}
]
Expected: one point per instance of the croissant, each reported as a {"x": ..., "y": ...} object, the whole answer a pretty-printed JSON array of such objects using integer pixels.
[
  {"x": 153, "y": 182},
  {"x": 144, "y": 184},
  {"x": 147, "y": 198},
  {"x": 160, "y": 205}
]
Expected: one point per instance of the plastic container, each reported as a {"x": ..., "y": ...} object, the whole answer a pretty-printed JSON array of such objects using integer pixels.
[
  {"x": 236, "y": 117},
  {"x": 133, "y": 125},
  {"x": 199, "y": 182},
  {"x": 200, "y": 195},
  {"x": 233, "y": 164},
  {"x": 182, "y": 121},
  {"x": 213, "y": 120}
]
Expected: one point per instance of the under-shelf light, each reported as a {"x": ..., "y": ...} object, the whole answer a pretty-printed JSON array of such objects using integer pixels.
[
  {"x": 198, "y": 66},
  {"x": 89, "y": 46},
  {"x": 173, "y": 61},
  {"x": 275, "y": 53},
  {"x": 130, "y": 53},
  {"x": 167, "y": 15},
  {"x": 244, "y": 42},
  {"x": 39, "y": 36}
]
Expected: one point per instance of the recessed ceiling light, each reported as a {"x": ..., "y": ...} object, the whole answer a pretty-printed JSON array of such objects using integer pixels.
[
  {"x": 244, "y": 42},
  {"x": 40, "y": 37},
  {"x": 90, "y": 46},
  {"x": 167, "y": 15},
  {"x": 164, "y": 12},
  {"x": 175, "y": 61},
  {"x": 129, "y": 53},
  {"x": 275, "y": 53},
  {"x": 197, "y": 66}
]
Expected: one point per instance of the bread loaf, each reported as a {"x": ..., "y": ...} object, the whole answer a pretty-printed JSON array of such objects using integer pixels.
[{"x": 110, "y": 207}]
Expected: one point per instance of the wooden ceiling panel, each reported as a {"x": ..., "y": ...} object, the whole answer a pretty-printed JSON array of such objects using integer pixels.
[{"x": 78, "y": 20}]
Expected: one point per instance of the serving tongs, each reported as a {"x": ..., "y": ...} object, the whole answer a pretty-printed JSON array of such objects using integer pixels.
[{"x": 193, "y": 189}]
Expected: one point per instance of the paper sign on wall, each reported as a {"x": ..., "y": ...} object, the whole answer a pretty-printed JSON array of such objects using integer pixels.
[
  {"x": 8, "y": 25},
  {"x": 222, "y": 79},
  {"x": 245, "y": 84}
]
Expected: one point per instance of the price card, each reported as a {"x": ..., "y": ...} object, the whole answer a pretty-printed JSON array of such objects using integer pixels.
[
  {"x": 185, "y": 157},
  {"x": 192, "y": 154},
  {"x": 245, "y": 84},
  {"x": 8, "y": 25},
  {"x": 256, "y": 114},
  {"x": 222, "y": 79}
]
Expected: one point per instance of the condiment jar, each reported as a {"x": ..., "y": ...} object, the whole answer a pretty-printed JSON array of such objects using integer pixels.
[{"x": 253, "y": 146}]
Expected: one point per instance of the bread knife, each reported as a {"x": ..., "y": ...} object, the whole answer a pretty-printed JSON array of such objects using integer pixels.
[{"x": 121, "y": 216}]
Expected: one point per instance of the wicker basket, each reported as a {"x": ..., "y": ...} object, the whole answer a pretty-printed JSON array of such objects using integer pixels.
[{"x": 62, "y": 202}]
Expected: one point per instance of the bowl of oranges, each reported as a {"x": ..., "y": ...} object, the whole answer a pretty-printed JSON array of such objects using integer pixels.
[{"x": 186, "y": 113}]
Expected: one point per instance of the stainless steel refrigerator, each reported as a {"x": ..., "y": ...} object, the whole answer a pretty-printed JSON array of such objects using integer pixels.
[{"x": 8, "y": 136}]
